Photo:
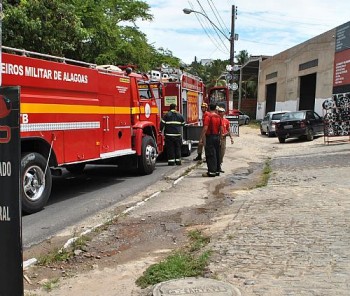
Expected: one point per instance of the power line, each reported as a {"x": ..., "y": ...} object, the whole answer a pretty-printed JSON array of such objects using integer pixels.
[
  {"x": 213, "y": 40},
  {"x": 215, "y": 29},
  {"x": 218, "y": 17}
]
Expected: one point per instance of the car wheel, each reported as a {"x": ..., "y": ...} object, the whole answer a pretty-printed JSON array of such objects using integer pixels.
[
  {"x": 281, "y": 140},
  {"x": 309, "y": 135},
  {"x": 246, "y": 121}
]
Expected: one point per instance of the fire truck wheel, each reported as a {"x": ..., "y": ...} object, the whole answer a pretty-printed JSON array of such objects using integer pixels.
[
  {"x": 35, "y": 184},
  {"x": 147, "y": 160}
]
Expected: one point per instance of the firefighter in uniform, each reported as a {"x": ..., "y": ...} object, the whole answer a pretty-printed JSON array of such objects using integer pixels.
[
  {"x": 212, "y": 132},
  {"x": 205, "y": 113},
  {"x": 172, "y": 122}
]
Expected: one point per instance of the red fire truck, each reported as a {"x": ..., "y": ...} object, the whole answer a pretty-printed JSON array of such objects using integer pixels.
[
  {"x": 187, "y": 92},
  {"x": 74, "y": 113}
]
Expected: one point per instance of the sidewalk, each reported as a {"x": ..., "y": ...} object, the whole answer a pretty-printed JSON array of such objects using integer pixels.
[{"x": 288, "y": 238}]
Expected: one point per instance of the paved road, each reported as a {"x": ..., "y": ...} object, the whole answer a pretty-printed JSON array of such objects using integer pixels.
[{"x": 75, "y": 198}]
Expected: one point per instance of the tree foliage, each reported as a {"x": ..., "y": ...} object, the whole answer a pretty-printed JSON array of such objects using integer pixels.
[
  {"x": 47, "y": 26},
  {"x": 242, "y": 57},
  {"x": 95, "y": 31},
  {"x": 214, "y": 74}
]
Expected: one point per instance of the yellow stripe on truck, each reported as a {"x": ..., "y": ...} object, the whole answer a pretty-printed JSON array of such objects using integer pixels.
[{"x": 80, "y": 109}]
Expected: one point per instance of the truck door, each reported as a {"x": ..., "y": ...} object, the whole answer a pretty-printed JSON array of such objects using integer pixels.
[
  {"x": 114, "y": 95},
  {"x": 148, "y": 106},
  {"x": 122, "y": 117}
]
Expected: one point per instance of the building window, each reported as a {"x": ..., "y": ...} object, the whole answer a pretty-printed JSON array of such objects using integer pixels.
[
  {"x": 307, "y": 65},
  {"x": 271, "y": 75}
]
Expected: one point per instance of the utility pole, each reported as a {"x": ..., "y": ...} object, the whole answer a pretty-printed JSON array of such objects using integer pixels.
[
  {"x": 232, "y": 50},
  {"x": 232, "y": 38}
]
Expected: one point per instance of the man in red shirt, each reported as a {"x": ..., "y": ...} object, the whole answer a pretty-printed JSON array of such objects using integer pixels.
[
  {"x": 212, "y": 131},
  {"x": 225, "y": 133},
  {"x": 205, "y": 113}
]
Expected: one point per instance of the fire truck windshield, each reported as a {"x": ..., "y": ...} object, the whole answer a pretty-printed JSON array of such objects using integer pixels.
[
  {"x": 144, "y": 90},
  {"x": 218, "y": 97}
]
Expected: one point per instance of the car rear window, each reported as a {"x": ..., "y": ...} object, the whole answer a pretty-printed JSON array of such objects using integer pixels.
[
  {"x": 293, "y": 115},
  {"x": 277, "y": 116}
]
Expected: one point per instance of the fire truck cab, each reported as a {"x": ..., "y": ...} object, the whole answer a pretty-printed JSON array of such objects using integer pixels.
[
  {"x": 74, "y": 113},
  {"x": 187, "y": 92}
]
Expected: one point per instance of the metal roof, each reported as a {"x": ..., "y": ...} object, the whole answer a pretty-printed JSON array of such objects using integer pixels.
[{"x": 250, "y": 70}]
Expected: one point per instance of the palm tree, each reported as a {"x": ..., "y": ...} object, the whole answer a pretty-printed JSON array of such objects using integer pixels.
[{"x": 242, "y": 57}]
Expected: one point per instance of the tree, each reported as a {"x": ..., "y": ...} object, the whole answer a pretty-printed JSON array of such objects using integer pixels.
[
  {"x": 44, "y": 26},
  {"x": 95, "y": 31},
  {"x": 164, "y": 57},
  {"x": 211, "y": 73},
  {"x": 242, "y": 57}
]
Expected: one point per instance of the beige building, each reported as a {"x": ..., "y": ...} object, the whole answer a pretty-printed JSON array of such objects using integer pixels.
[{"x": 299, "y": 78}]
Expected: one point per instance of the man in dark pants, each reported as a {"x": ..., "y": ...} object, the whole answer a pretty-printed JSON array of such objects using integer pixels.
[
  {"x": 172, "y": 122},
  {"x": 212, "y": 131}
]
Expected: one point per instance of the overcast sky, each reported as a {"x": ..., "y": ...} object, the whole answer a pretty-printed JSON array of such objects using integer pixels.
[{"x": 265, "y": 27}]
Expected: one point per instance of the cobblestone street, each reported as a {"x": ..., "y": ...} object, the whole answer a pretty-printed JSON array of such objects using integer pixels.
[{"x": 292, "y": 237}]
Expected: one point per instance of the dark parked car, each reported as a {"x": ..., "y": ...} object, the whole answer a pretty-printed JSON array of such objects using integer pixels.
[{"x": 299, "y": 124}]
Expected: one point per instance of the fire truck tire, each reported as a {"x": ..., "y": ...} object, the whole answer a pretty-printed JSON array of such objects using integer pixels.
[
  {"x": 35, "y": 184},
  {"x": 147, "y": 160}
]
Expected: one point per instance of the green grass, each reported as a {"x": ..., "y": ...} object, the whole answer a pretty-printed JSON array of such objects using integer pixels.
[
  {"x": 56, "y": 255},
  {"x": 50, "y": 285},
  {"x": 198, "y": 241},
  {"x": 60, "y": 255},
  {"x": 265, "y": 174},
  {"x": 187, "y": 262},
  {"x": 80, "y": 243}
]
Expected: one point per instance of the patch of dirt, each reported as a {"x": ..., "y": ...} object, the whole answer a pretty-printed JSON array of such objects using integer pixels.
[{"x": 132, "y": 239}]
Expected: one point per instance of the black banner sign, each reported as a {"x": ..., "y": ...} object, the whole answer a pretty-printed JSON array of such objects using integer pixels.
[
  {"x": 342, "y": 40},
  {"x": 341, "y": 72},
  {"x": 11, "y": 258}
]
